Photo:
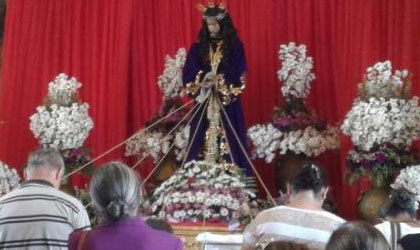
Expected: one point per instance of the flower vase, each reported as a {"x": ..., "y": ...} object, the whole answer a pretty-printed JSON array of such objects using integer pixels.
[
  {"x": 285, "y": 166},
  {"x": 370, "y": 202}
]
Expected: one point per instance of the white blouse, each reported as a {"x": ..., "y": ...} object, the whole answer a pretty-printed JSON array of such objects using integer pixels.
[{"x": 385, "y": 228}]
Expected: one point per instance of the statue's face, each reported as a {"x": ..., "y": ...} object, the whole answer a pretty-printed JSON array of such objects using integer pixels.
[{"x": 213, "y": 27}]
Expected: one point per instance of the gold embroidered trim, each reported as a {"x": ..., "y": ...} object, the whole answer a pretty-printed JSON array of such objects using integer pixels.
[
  {"x": 229, "y": 91},
  {"x": 193, "y": 87}
]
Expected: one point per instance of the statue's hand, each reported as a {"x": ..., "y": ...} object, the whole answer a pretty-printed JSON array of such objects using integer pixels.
[{"x": 209, "y": 80}]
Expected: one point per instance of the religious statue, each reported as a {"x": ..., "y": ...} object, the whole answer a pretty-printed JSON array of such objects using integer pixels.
[
  {"x": 214, "y": 72},
  {"x": 209, "y": 186}
]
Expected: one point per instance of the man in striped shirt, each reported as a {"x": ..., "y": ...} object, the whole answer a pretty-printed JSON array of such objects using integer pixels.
[{"x": 38, "y": 215}]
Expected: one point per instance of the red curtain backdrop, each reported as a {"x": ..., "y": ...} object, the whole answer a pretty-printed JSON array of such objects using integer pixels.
[{"x": 116, "y": 49}]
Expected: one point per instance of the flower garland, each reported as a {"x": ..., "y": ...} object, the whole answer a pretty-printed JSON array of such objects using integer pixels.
[
  {"x": 199, "y": 191},
  {"x": 382, "y": 123},
  {"x": 294, "y": 127},
  {"x": 9, "y": 179}
]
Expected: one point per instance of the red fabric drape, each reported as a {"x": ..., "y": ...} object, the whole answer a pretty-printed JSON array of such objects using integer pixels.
[
  {"x": 89, "y": 40},
  {"x": 117, "y": 48}
]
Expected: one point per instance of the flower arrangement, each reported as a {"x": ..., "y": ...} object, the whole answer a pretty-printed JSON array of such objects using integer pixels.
[
  {"x": 156, "y": 142},
  {"x": 63, "y": 90},
  {"x": 296, "y": 70},
  {"x": 202, "y": 191},
  {"x": 409, "y": 179},
  {"x": 61, "y": 127},
  {"x": 9, "y": 179},
  {"x": 294, "y": 128},
  {"x": 382, "y": 123},
  {"x": 63, "y": 122},
  {"x": 170, "y": 82}
]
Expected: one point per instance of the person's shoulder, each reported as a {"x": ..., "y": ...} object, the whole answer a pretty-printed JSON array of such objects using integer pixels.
[
  {"x": 275, "y": 209},
  {"x": 333, "y": 217},
  {"x": 71, "y": 199},
  {"x": 22, "y": 192},
  {"x": 411, "y": 227},
  {"x": 271, "y": 211},
  {"x": 321, "y": 214},
  {"x": 10, "y": 195},
  {"x": 384, "y": 227},
  {"x": 382, "y": 224}
]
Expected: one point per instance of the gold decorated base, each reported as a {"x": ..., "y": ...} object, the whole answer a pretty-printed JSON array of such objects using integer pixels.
[{"x": 188, "y": 233}]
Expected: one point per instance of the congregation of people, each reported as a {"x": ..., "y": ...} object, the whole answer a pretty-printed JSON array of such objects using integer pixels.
[{"x": 38, "y": 215}]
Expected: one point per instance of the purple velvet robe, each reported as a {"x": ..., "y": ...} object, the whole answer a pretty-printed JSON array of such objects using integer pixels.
[{"x": 233, "y": 68}]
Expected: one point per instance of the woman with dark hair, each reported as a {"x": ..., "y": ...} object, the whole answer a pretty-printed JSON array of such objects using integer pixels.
[
  {"x": 115, "y": 193},
  {"x": 357, "y": 235},
  {"x": 400, "y": 213},
  {"x": 301, "y": 221},
  {"x": 216, "y": 64}
]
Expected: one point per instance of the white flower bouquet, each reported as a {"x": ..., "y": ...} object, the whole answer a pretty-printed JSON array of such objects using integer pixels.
[
  {"x": 63, "y": 90},
  {"x": 382, "y": 123},
  {"x": 62, "y": 127},
  {"x": 296, "y": 69},
  {"x": 294, "y": 128},
  {"x": 9, "y": 179},
  {"x": 63, "y": 122}
]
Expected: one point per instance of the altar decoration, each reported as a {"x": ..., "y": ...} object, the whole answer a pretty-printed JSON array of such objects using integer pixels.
[
  {"x": 204, "y": 191},
  {"x": 383, "y": 123},
  {"x": 294, "y": 128},
  {"x": 214, "y": 189},
  {"x": 156, "y": 142},
  {"x": 63, "y": 122}
]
